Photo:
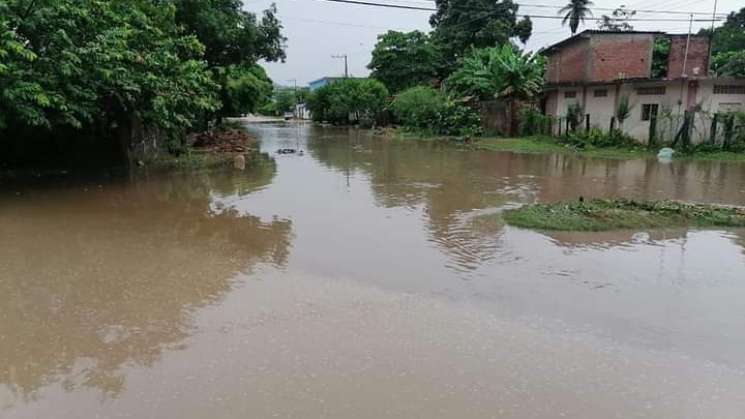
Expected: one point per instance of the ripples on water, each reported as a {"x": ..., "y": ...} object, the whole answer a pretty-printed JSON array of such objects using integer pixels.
[{"x": 113, "y": 286}]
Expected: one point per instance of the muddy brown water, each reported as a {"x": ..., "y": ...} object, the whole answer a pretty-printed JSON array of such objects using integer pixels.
[{"x": 368, "y": 278}]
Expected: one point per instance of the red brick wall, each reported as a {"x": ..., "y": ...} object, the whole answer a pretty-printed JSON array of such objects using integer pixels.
[
  {"x": 568, "y": 63},
  {"x": 698, "y": 56},
  {"x": 614, "y": 54}
]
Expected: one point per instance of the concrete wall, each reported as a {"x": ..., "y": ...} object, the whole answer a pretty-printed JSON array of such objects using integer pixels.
[{"x": 678, "y": 97}]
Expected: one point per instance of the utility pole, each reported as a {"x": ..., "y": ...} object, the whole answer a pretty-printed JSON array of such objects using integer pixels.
[
  {"x": 711, "y": 36},
  {"x": 294, "y": 109},
  {"x": 346, "y": 65},
  {"x": 688, "y": 44}
]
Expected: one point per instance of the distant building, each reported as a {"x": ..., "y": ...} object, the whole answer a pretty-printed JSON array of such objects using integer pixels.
[
  {"x": 317, "y": 84},
  {"x": 594, "y": 69}
]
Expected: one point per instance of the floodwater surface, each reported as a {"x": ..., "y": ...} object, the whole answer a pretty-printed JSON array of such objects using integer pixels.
[{"x": 368, "y": 278}]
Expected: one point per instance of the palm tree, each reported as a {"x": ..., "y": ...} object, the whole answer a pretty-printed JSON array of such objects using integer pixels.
[{"x": 576, "y": 12}]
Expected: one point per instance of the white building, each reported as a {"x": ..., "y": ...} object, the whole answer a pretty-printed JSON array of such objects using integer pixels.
[{"x": 596, "y": 69}]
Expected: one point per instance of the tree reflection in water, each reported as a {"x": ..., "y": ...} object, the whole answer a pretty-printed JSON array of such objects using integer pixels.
[{"x": 117, "y": 281}]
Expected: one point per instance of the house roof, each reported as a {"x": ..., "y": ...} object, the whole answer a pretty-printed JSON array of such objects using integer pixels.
[
  {"x": 332, "y": 78},
  {"x": 586, "y": 33},
  {"x": 324, "y": 79}
]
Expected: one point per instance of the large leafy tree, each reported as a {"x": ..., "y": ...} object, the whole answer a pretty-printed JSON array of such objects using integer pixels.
[
  {"x": 247, "y": 88},
  {"x": 728, "y": 44},
  {"x": 234, "y": 41},
  {"x": 90, "y": 63},
  {"x": 230, "y": 34},
  {"x": 575, "y": 12},
  {"x": 460, "y": 25},
  {"x": 404, "y": 59}
]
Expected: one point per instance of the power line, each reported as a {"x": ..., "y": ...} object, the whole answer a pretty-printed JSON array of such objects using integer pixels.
[
  {"x": 608, "y": 9},
  {"x": 532, "y": 16}
]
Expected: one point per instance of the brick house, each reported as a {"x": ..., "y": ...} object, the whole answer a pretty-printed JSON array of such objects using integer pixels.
[{"x": 594, "y": 69}]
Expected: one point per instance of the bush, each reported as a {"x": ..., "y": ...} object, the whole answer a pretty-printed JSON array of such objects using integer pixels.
[
  {"x": 457, "y": 119},
  {"x": 418, "y": 106},
  {"x": 427, "y": 109},
  {"x": 595, "y": 137},
  {"x": 532, "y": 122}
]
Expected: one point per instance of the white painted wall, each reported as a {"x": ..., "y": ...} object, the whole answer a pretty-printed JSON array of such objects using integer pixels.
[{"x": 673, "y": 104}]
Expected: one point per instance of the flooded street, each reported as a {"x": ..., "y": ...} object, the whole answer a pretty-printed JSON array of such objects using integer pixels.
[{"x": 368, "y": 278}]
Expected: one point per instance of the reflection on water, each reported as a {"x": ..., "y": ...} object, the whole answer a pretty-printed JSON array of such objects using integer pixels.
[
  {"x": 455, "y": 188},
  {"x": 95, "y": 279},
  {"x": 368, "y": 278}
]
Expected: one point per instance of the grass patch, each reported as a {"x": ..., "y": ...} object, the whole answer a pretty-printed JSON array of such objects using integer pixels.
[
  {"x": 540, "y": 144},
  {"x": 711, "y": 156},
  {"x": 189, "y": 162},
  {"x": 619, "y": 214}
]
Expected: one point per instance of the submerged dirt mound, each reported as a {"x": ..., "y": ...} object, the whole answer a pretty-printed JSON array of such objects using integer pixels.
[{"x": 225, "y": 141}]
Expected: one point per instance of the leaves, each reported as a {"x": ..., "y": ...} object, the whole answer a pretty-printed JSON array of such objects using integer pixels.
[
  {"x": 404, "y": 59},
  {"x": 460, "y": 25},
  {"x": 504, "y": 72},
  {"x": 349, "y": 100},
  {"x": 575, "y": 12}
]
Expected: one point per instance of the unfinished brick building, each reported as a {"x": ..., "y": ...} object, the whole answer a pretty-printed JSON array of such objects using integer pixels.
[{"x": 595, "y": 69}]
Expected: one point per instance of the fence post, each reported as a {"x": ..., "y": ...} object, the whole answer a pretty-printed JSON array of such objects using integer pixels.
[
  {"x": 713, "y": 138},
  {"x": 587, "y": 122},
  {"x": 559, "y": 124},
  {"x": 567, "y": 130},
  {"x": 612, "y": 123},
  {"x": 652, "y": 132},
  {"x": 550, "y": 123},
  {"x": 729, "y": 124},
  {"x": 687, "y": 133}
]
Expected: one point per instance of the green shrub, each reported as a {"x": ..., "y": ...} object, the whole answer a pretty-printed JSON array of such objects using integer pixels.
[
  {"x": 595, "y": 137},
  {"x": 426, "y": 109},
  {"x": 418, "y": 106},
  {"x": 457, "y": 119},
  {"x": 533, "y": 122}
]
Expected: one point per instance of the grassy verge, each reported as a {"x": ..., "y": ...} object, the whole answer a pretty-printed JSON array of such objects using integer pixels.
[
  {"x": 712, "y": 156},
  {"x": 619, "y": 214},
  {"x": 190, "y": 162},
  {"x": 539, "y": 144}
]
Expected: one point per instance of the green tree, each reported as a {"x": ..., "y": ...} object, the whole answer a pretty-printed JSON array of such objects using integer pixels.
[
  {"x": 404, "y": 59},
  {"x": 618, "y": 20},
  {"x": 230, "y": 34},
  {"x": 574, "y": 12},
  {"x": 730, "y": 63},
  {"x": 727, "y": 41},
  {"x": 89, "y": 63},
  {"x": 247, "y": 89},
  {"x": 349, "y": 101},
  {"x": 460, "y": 25},
  {"x": 234, "y": 39}
]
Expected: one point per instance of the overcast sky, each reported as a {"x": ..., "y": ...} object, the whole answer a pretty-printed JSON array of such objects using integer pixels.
[{"x": 317, "y": 29}]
